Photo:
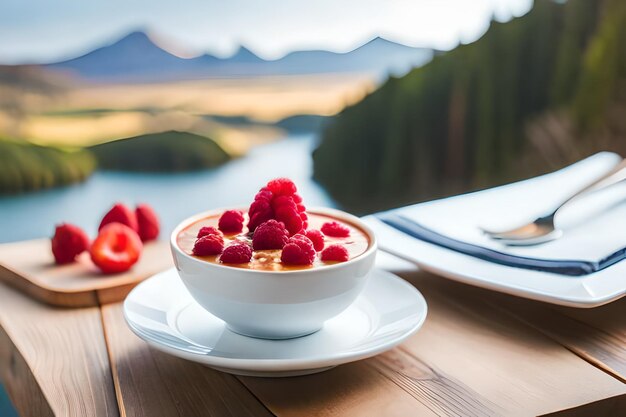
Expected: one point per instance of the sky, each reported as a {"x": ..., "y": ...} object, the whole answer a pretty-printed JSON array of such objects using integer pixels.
[{"x": 34, "y": 31}]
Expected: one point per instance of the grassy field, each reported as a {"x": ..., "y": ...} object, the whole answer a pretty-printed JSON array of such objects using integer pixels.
[{"x": 29, "y": 167}]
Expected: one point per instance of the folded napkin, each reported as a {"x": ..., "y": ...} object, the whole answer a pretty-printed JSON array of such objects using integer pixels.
[{"x": 594, "y": 226}]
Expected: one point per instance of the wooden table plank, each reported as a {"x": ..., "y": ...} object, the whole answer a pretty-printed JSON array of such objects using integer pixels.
[
  {"x": 597, "y": 335},
  {"x": 56, "y": 361},
  {"x": 504, "y": 360},
  {"x": 469, "y": 359},
  {"x": 29, "y": 266},
  {"x": 356, "y": 389},
  {"x": 151, "y": 383}
]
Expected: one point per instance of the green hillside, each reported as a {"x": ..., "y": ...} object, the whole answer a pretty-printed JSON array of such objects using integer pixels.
[
  {"x": 170, "y": 151},
  {"x": 530, "y": 95},
  {"x": 28, "y": 167}
]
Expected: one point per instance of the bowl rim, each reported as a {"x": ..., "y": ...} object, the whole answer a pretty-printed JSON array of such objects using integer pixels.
[{"x": 326, "y": 211}]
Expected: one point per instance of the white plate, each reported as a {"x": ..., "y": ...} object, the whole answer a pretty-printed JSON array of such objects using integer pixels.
[
  {"x": 509, "y": 205},
  {"x": 161, "y": 311}
]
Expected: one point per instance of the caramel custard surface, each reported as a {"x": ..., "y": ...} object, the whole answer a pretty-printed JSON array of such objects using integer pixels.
[{"x": 269, "y": 260}]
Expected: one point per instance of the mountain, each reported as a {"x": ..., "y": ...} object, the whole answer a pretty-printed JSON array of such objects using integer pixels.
[
  {"x": 531, "y": 95},
  {"x": 136, "y": 58}
]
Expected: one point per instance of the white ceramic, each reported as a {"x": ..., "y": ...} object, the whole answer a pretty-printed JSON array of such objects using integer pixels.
[
  {"x": 161, "y": 311},
  {"x": 509, "y": 205},
  {"x": 275, "y": 305}
]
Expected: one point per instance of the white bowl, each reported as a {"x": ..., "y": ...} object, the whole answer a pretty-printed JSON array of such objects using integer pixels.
[{"x": 275, "y": 304}]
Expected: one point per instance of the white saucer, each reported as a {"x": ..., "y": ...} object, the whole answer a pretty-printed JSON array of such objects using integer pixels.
[{"x": 161, "y": 311}]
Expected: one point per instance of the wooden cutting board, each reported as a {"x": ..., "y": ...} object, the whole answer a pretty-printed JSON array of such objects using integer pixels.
[{"x": 29, "y": 266}]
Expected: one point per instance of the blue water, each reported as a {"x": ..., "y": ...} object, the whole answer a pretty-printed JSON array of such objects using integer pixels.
[
  {"x": 6, "y": 408},
  {"x": 174, "y": 196}
]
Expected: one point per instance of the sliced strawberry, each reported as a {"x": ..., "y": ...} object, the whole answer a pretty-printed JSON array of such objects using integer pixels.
[{"x": 116, "y": 249}]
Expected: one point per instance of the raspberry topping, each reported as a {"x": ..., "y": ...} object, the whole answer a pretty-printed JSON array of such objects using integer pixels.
[
  {"x": 68, "y": 242},
  {"x": 148, "y": 222},
  {"x": 270, "y": 235},
  {"x": 316, "y": 237},
  {"x": 282, "y": 186},
  {"x": 231, "y": 221},
  {"x": 208, "y": 245},
  {"x": 208, "y": 230},
  {"x": 120, "y": 213},
  {"x": 335, "y": 229},
  {"x": 261, "y": 209},
  {"x": 299, "y": 250},
  {"x": 335, "y": 253},
  {"x": 278, "y": 201},
  {"x": 236, "y": 253},
  {"x": 287, "y": 212}
]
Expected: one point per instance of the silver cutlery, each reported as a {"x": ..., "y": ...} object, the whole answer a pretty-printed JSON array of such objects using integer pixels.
[{"x": 543, "y": 229}]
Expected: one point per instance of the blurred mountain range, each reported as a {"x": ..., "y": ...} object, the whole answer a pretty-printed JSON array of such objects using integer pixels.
[{"x": 137, "y": 58}]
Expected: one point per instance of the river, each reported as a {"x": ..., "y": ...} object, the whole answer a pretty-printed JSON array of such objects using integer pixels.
[{"x": 174, "y": 196}]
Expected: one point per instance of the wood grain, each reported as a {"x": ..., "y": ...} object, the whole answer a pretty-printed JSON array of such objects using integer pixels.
[
  {"x": 151, "y": 383},
  {"x": 468, "y": 359},
  {"x": 62, "y": 351},
  {"x": 29, "y": 266},
  {"x": 505, "y": 361},
  {"x": 597, "y": 335},
  {"x": 22, "y": 386},
  {"x": 356, "y": 389}
]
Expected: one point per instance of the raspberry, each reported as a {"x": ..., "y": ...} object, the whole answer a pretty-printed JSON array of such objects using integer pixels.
[
  {"x": 316, "y": 237},
  {"x": 335, "y": 229},
  {"x": 336, "y": 253},
  {"x": 148, "y": 222},
  {"x": 260, "y": 210},
  {"x": 119, "y": 213},
  {"x": 286, "y": 211},
  {"x": 208, "y": 245},
  {"x": 282, "y": 186},
  {"x": 208, "y": 230},
  {"x": 236, "y": 253},
  {"x": 299, "y": 250},
  {"x": 270, "y": 235},
  {"x": 68, "y": 242},
  {"x": 279, "y": 201},
  {"x": 116, "y": 249},
  {"x": 231, "y": 221},
  {"x": 290, "y": 218},
  {"x": 305, "y": 220}
]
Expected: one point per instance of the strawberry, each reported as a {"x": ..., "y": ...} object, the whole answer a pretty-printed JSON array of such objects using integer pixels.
[
  {"x": 68, "y": 242},
  {"x": 116, "y": 249},
  {"x": 147, "y": 222},
  {"x": 119, "y": 213}
]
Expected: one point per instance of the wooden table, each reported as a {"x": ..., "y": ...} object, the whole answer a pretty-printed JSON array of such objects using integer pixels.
[{"x": 479, "y": 353}]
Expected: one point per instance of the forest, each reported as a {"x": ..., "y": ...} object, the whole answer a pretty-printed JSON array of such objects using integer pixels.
[{"x": 531, "y": 95}]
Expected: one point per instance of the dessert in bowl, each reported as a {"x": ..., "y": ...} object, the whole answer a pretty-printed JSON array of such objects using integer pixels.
[{"x": 269, "y": 275}]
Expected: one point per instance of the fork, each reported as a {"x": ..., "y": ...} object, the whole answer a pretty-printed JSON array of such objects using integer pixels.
[{"x": 543, "y": 229}]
